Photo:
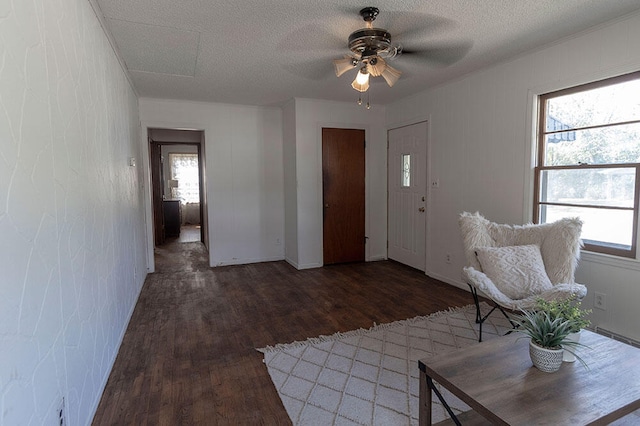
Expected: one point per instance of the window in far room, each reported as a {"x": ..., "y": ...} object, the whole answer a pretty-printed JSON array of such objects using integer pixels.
[
  {"x": 184, "y": 172},
  {"x": 588, "y": 162}
]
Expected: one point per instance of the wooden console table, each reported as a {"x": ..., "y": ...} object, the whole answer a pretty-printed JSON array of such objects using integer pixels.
[{"x": 497, "y": 380}]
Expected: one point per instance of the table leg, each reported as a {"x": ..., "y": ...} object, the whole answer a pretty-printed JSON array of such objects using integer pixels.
[
  {"x": 424, "y": 412},
  {"x": 431, "y": 387}
]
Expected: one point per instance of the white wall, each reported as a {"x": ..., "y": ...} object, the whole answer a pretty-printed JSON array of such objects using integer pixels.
[
  {"x": 310, "y": 117},
  {"x": 481, "y": 130},
  {"x": 71, "y": 216},
  {"x": 244, "y": 174},
  {"x": 290, "y": 182}
]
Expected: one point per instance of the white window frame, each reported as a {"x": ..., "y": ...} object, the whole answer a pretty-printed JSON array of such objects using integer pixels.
[{"x": 540, "y": 167}]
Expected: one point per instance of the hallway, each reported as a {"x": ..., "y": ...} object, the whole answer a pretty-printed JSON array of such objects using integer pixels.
[{"x": 189, "y": 234}]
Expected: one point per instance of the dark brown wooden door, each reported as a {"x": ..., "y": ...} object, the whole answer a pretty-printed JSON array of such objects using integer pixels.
[
  {"x": 156, "y": 185},
  {"x": 343, "y": 190}
]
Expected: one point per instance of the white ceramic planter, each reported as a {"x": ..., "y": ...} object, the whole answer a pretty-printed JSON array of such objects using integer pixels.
[
  {"x": 547, "y": 360},
  {"x": 568, "y": 356}
]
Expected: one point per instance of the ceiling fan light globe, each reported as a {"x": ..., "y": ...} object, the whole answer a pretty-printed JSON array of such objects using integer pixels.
[
  {"x": 362, "y": 77},
  {"x": 343, "y": 65},
  {"x": 360, "y": 87}
]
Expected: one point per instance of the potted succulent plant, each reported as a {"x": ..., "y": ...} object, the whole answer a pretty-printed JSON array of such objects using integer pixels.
[
  {"x": 549, "y": 332},
  {"x": 568, "y": 309}
]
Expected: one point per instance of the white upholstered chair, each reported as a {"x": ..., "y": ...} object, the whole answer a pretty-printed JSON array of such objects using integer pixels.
[{"x": 514, "y": 265}]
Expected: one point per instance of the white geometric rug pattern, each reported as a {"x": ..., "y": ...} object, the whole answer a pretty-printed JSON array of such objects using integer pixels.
[{"x": 370, "y": 376}]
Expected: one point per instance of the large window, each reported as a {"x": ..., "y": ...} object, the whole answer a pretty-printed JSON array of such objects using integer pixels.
[{"x": 589, "y": 161}]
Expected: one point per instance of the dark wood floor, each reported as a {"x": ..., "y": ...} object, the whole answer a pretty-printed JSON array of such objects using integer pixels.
[{"x": 188, "y": 355}]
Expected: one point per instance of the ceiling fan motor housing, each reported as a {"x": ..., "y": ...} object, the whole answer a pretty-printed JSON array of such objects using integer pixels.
[{"x": 369, "y": 41}]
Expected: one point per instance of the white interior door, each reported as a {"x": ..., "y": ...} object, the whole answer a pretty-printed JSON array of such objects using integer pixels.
[{"x": 407, "y": 183}]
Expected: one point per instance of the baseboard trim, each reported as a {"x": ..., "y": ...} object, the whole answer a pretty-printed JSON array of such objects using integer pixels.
[
  {"x": 309, "y": 266},
  {"x": 448, "y": 280},
  {"x": 617, "y": 336},
  {"x": 291, "y": 262},
  {"x": 247, "y": 261},
  {"x": 105, "y": 379},
  {"x": 376, "y": 258}
]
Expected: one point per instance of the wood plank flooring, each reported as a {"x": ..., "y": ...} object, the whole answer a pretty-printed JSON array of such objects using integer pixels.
[{"x": 188, "y": 356}]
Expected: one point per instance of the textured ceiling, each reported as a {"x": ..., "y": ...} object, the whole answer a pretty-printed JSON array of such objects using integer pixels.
[{"x": 257, "y": 53}]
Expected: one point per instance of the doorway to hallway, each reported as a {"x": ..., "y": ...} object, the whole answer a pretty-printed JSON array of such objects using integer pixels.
[{"x": 177, "y": 176}]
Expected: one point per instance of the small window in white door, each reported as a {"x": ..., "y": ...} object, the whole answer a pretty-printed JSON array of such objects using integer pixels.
[{"x": 406, "y": 170}]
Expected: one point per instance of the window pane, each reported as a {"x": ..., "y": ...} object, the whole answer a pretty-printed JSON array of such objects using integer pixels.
[
  {"x": 184, "y": 169},
  {"x": 406, "y": 170},
  {"x": 610, "y": 104},
  {"x": 608, "y": 145},
  {"x": 613, "y": 187},
  {"x": 613, "y": 227}
]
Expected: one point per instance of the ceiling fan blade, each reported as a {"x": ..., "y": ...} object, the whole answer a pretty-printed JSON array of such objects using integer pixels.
[
  {"x": 315, "y": 69},
  {"x": 351, "y": 12},
  {"x": 313, "y": 39},
  {"x": 413, "y": 26},
  {"x": 442, "y": 55}
]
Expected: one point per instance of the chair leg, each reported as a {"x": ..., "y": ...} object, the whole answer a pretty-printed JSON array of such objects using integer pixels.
[
  {"x": 513, "y": 324},
  {"x": 474, "y": 293},
  {"x": 480, "y": 319}
]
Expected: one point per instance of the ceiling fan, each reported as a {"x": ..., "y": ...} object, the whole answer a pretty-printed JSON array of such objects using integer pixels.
[{"x": 370, "y": 49}]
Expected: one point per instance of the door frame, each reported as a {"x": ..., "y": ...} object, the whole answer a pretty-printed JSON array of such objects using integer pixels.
[
  {"x": 146, "y": 180},
  {"x": 428, "y": 189},
  {"x": 156, "y": 193}
]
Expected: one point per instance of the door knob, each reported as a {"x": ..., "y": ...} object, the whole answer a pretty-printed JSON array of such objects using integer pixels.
[{"x": 421, "y": 209}]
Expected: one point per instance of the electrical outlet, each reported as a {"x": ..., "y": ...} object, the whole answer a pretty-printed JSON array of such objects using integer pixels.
[
  {"x": 600, "y": 301},
  {"x": 447, "y": 258},
  {"x": 61, "y": 418},
  {"x": 435, "y": 183}
]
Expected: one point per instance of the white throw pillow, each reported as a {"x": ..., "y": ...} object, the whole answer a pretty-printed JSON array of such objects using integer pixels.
[{"x": 517, "y": 271}]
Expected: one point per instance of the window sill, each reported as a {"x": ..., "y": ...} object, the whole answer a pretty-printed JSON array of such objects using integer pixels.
[{"x": 609, "y": 260}]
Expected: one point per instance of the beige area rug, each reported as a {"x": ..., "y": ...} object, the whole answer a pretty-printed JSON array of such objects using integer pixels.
[{"x": 370, "y": 377}]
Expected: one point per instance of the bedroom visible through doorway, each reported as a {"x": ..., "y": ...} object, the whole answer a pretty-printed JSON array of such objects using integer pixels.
[
  {"x": 177, "y": 166},
  {"x": 184, "y": 185}
]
